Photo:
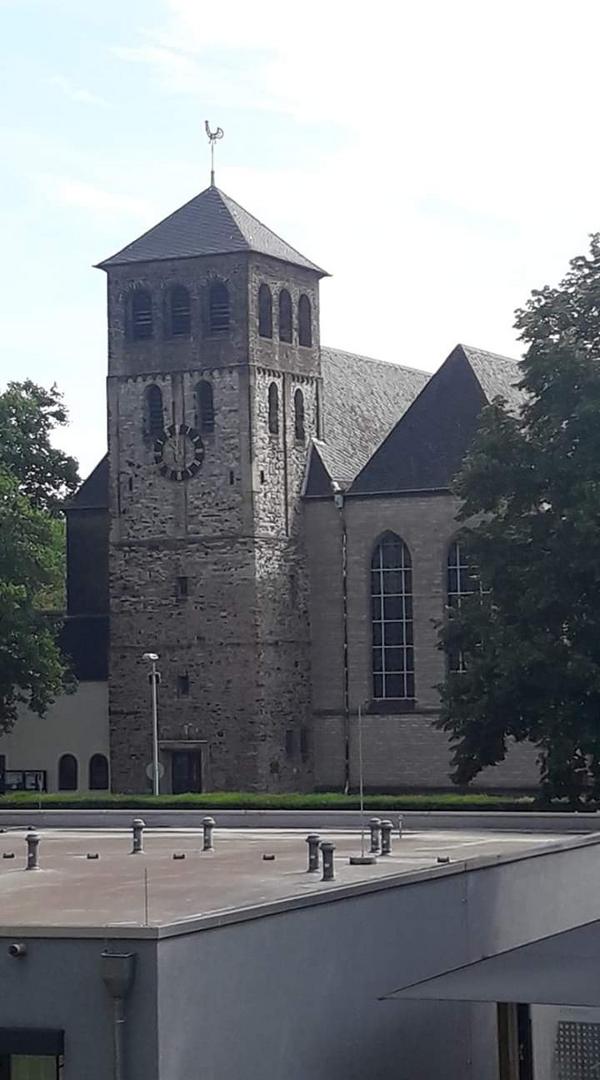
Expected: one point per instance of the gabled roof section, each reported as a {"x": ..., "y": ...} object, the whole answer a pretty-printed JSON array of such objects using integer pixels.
[
  {"x": 425, "y": 449},
  {"x": 318, "y": 478},
  {"x": 93, "y": 493},
  {"x": 498, "y": 376},
  {"x": 362, "y": 399},
  {"x": 209, "y": 224}
]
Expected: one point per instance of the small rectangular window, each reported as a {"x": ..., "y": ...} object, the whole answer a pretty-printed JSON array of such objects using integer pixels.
[
  {"x": 29, "y": 1067},
  {"x": 289, "y": 743},
  {"x": 304, "y": 744},
  {"x": 182, "y": 588},
  {"x": 183, "y": 685}
]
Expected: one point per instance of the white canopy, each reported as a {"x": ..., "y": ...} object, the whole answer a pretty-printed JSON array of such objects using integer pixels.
[{"x": 563, "y": 969}]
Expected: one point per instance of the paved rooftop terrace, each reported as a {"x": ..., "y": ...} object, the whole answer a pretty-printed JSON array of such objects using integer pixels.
[{"x": 71, "y": 891}]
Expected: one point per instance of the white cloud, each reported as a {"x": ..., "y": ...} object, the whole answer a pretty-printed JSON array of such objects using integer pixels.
[
  {"x": 68, "y": 191},
  {"x": 460, "y": 172},
  {"x": 78, "y": 93},
  {"x": 467, "y": 173}
]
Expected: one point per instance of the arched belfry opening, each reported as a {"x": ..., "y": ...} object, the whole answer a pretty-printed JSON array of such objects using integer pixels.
[
  {"x": 265, "y": 312},
  {"x": 218, "y": 308}
]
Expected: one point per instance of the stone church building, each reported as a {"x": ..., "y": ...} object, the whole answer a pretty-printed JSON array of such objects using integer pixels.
[{"x": 273, "y": 519}]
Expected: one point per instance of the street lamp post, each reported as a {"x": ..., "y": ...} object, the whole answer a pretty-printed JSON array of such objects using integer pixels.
[{"x": 154, "y": 678}]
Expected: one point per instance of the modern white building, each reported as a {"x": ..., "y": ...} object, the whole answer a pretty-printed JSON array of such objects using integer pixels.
[{"x": 237, "y": 962}]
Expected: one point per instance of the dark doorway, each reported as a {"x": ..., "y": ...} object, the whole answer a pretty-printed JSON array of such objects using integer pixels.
[
  {"x": 98, "y": 778},
  {"x": 186, "y": 771},
  {"x": 515, "y": 1052},
  {"x": 68, "y": 773}
]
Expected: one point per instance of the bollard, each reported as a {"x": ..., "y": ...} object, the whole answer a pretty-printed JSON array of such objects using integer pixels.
[
  {"x": 33, "y": 843},
  {"x": 313, "y": 840},
  {"x": 375, "y": 827},
  {"x": 400, "y": 826},
  {"x": 138, "y": 827},
  {"x": 328, "y": 865},
  {"x": 386, "y": 837},
  {"x": 208, "y": 825}
]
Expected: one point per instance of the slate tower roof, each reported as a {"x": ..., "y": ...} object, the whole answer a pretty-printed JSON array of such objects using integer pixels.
[{"x": 209, "y": 224}]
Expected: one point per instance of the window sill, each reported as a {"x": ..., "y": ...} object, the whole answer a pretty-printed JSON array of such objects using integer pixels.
[{"x": 393, "y": 706}]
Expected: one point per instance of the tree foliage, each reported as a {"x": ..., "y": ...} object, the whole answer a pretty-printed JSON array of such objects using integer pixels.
[
  {"x": 34, "y": 479},
  {"x": 32, "y": 670},
  {"x": 28, "y": 416},
  {"x": 530, "y": 490}
]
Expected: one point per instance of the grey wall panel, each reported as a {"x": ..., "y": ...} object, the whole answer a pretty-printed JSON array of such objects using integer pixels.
[{"x": 58, "y": 984}]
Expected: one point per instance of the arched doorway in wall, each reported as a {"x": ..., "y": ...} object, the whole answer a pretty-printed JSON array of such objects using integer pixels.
[
  {"x": 98, "y": 773},
  {"x": 68, "y": 773}
]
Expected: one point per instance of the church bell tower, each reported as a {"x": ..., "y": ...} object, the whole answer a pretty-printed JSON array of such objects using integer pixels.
[{"x": 214, "y": 392}]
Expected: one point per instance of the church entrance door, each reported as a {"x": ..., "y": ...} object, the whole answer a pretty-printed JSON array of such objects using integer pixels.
[{"x": 186, "y": 771}]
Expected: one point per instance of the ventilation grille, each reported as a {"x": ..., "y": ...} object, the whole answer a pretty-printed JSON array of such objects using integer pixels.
[{"x": 577, "y": 1051}]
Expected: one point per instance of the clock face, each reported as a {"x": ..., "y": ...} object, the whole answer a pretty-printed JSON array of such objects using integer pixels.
[{"x": 179, "y": 452}]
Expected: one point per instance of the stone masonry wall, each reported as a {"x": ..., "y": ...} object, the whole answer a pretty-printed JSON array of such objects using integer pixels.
[
  {"x": 403, "y": 750},
  {"x": 234, "y": 653}
]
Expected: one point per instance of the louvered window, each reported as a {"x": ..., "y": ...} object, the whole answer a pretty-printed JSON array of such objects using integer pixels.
[
  {"x": 218, "y": 308},
  {"x": 285, "y": 316},
  {"x": 304, "y": 321},
  {"x": 141, "y": 315},
  {"x": 180, "y": 311},
  {"x": 265, "y": 312}
]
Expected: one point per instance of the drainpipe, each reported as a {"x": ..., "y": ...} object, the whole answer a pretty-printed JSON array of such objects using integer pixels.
[
  {"x": 117, "y": 974},
  {"x": 338, "y": 498}
]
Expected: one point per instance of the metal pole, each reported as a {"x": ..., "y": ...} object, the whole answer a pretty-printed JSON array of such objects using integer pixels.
[
  {"x": 155, "y": 776},
  {"x": 360, "y": 782},
  {"x": 119, "y": 1037}
]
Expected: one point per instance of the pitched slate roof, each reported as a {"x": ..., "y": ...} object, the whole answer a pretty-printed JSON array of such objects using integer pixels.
[
  {"x": 498, "y": 376},
  {"x": 362, "y": 399},
  {"x": 93, "y": 493},
  {"x": 209, "y": 224},
  {"x": 425, "y": 449}
]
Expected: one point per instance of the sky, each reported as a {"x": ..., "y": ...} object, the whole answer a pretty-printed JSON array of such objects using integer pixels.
[{"x": 440, "y": 160}]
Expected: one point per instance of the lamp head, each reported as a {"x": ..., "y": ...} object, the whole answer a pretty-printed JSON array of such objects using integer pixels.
[{"x": 150, "y": 656}]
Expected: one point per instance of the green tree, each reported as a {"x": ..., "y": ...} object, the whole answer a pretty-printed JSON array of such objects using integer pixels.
[
  {"x": 28, "y": 416},
  {"x": 530, "y": 490},
  {"x": 32, "y": 670},
  {"x": 35, "y": 478}
]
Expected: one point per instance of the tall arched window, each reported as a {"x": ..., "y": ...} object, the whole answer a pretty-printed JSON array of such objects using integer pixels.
[
  {"x": 273, "y": 409},
  {"x": 462, "y": 580},
  {"x": 304, "y": 321},
  {"x": 285, "y": 316},
  {"x": 179, "y": 311},
  {"x": 218, "y": 308},
  {"x": 299, "y": 430},
  {"x": 67, "y": 773},
  {"x": 205, "y": 407},
  {"x": 141, "y": 315},
  {"x": 265, "y": 312},
  {"x": 98, "y": 773},
  {"x": 392, "y": 615},
  {"x": 154, "y": 421}
]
